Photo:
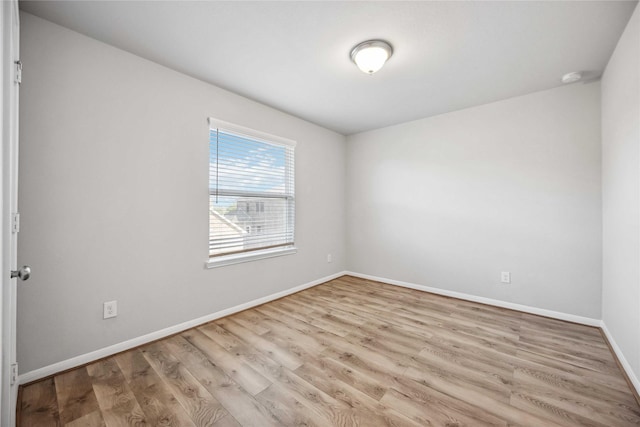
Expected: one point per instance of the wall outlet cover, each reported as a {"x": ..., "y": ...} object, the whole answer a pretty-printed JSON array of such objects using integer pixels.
[{"x": 110, "y": 309}]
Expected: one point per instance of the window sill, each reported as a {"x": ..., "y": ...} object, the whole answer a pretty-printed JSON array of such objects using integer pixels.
[{"x": 221, "y": 261}]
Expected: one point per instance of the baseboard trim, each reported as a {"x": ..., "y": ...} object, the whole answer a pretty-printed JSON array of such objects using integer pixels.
[
  {"x": 90, "y": 357},
  {"x": 473, "y": 298},
  {"x": 631, "y": 377}
]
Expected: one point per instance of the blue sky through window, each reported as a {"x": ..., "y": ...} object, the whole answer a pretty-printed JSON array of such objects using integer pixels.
[{"x": 238, "y": 163}]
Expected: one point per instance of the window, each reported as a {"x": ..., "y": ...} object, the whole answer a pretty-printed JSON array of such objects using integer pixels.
[{"x": 251, "y": 194}]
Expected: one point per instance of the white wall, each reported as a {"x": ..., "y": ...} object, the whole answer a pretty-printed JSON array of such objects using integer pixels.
[
  {"x": 451, "y": 201},
  {"x": 114, "y": 197},
  {"x": 621, "y": 194}
]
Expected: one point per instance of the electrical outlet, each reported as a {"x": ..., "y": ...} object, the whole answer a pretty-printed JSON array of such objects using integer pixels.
[
  {"x": 110, "y": 309},
  {"x": 505, "y": 277},
  {"x": 329, "y": 258}
]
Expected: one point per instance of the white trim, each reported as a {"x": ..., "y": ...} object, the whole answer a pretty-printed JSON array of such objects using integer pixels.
[
  {"x": 250, "y": 133},
  {"x": 623, "y": 361},
  {"x": 248, "y": 256},
  {"x": 504, "y": 304},
  {"x": 82, "y": 359},
  {"x": 5, "y": 402},
  {"x": 10, "y": 48}
]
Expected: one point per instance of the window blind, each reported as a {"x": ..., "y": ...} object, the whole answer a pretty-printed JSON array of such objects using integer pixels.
[{"x": 251, "y": 191}]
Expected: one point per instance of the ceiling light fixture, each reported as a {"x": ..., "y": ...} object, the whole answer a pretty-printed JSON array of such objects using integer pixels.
[
  {"x": 371, "y": 55},
  {"x": 571, "y": 77}
]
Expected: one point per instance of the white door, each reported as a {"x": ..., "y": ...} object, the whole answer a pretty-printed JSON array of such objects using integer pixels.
[{"x": 11, "y": 74}]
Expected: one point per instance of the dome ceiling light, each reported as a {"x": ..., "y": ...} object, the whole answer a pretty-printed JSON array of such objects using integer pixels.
[
  {"x": 571, "y": 77},
  {"x": 371, "y": 55}
]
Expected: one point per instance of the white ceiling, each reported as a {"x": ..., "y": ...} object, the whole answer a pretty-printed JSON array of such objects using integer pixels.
[{"x": 294, "y": 56}]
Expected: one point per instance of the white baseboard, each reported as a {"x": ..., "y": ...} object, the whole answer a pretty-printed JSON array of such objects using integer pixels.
[
  {"x": 623, "y": 361},
  {"x": 504, "y": 304},
  {"x": 82, "y": 359}
]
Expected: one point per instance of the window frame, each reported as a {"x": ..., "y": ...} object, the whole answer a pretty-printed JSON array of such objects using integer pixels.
[{"x": 259, "y": 253}]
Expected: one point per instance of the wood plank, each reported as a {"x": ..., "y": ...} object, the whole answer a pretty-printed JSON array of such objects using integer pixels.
[
  {"x": 313, "y": 319},
  {"x": 201, "y": 406},
  {"x": 154, "y": 396},
  {"x": 227, "y": 421},
  {"x": 240, "y": 403},
  {"x": 319, "y": 406},
  {"x": 572, "y": 397},
  {"x": 94, "y": 419},
  {"x": 76, "y": 397},
  {"x": 362, "y": 367},
  {"x": 117, "y": 402},
  {"x": 293, "y": 337},
  {"x": 287, "y": 408},
  {"x": 480, "y": 399},
  {"x": 243, "y": 374},
  {"x": 251, "y": 321},
  {"x": 427, "y": 406},
  {"x": 278, "y": 354},
  {"x": 364, "y": 409},
  {"x": 39, "y": 405},
  {"x": 483, "y": 382}
]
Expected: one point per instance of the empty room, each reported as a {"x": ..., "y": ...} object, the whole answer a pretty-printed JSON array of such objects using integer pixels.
[{"x": 320, "y": 213}]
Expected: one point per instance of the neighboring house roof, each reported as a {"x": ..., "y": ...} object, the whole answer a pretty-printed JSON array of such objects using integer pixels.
[{"x": 220, "y": 223}]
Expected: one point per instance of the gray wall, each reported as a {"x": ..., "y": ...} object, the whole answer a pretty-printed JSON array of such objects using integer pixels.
[
  {"x": 451, "y": 201},
  {"x": 621, "y": 193},
  {"x": 114, "y": 197}
]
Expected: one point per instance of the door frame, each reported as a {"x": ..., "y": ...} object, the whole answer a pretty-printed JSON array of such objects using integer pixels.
[{"x": 10, "y": 18}]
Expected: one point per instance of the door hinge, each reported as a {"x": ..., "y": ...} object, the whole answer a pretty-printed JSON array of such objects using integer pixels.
[
  {"x": 15, "y": 222},
  {"x": 14, "y": 373},
  {"x": 18, "y": 71}
]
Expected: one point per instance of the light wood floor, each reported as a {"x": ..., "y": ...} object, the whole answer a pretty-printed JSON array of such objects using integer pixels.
[{"x": 351, "y": 352}]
